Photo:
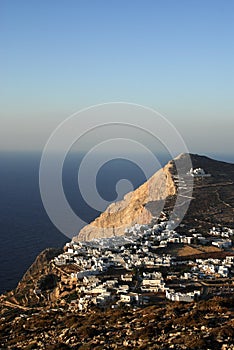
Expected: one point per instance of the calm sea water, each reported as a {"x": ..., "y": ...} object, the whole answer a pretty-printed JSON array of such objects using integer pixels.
[{"x": 25, "y": 229}]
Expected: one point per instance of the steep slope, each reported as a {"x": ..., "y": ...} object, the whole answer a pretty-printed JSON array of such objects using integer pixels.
[
  {"x": 132, "y": 209},
  {"x": 40, "y": 272},
  {"x": 212, "y": 198}
]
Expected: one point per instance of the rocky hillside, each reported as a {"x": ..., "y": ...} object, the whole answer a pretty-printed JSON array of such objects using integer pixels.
[
  {"x": 212, "y": 198},
  {"x": 205, "y": 325},
  {"x": 39, "y": 275}
]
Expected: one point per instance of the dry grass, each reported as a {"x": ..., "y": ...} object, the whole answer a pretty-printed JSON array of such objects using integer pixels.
[
  {"x": 210, "y": 249},
  {"x": 188, "y": 250}
]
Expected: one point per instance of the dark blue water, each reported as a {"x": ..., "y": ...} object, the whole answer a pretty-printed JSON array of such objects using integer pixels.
[{"x": 25, "y": 229}]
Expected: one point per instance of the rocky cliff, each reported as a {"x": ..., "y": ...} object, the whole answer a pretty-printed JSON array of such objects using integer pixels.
[
  {"x": 210, "y": 198},
  {"x": 39, "y": 275},
  {"x": 139, "y": 206}
]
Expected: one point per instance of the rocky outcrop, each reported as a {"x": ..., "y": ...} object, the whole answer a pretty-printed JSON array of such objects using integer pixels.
[
  {"x": 39, "y": 275},
  {"x": 139, "y": 206}
]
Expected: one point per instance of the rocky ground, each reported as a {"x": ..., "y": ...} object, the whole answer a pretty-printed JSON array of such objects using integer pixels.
[{"x": 205, "y": 325}]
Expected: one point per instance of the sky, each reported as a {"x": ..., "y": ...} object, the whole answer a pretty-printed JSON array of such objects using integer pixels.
[{"x": 175, "y": 56}]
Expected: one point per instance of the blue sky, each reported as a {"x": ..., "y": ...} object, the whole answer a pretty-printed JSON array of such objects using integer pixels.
[{"x": 173, "y": 55}]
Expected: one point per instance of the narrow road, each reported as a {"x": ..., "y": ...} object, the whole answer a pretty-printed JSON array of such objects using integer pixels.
[
  {"x": 220, "y": 200},
  {"x": 15, "y": 306}
]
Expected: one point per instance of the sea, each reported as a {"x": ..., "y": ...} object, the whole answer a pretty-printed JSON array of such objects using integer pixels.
[{"x": 25, "y": 227}]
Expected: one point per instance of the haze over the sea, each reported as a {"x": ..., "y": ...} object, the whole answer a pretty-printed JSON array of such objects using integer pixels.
[{"x": 174, "y": 56}]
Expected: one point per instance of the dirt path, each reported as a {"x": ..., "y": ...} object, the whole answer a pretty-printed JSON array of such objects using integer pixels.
[
  {"x": 220, "y": 200},
  {"x": 15, "y": 306}
]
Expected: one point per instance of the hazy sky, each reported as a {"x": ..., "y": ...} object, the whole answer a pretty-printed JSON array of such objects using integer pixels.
[{"x": 176, "y": 56}]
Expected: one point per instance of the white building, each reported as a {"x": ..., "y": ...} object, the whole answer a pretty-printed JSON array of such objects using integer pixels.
[
  {"x": 223, "y": 271},
  {"x": 198, "y": 172},
  {"x": 186, "y": 297},
  {"x": 222, "y": 243}
]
